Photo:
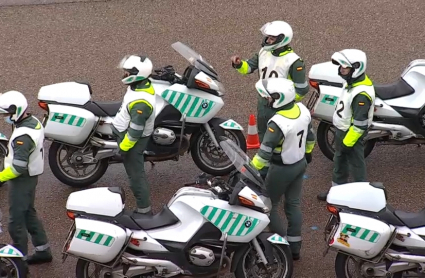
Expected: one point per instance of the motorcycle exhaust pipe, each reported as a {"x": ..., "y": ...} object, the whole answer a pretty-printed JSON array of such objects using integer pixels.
[
  {"x": 151, "y": 262},
  {"x": 405, "y": 258},
  {"x": 392, "y": 128},
  {"x": 103, "y": 143}
]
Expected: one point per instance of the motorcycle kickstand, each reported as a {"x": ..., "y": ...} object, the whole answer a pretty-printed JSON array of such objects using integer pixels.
[{"x": 152, "y": 164}]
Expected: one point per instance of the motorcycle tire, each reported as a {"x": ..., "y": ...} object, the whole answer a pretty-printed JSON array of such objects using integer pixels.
[
  {"x": 196, "y": 152},
  {"x": 71, "y": 181},
  {"x": 341, "y": 266},
  {"x": 18, "y": 268},
  {"x": 327, "y": 149},
  {"x": 284, "y": 256}
]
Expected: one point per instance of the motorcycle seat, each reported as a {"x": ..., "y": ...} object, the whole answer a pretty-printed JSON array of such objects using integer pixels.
[
  {"x": 411, "y": 219},
  {"x": 394, "y": 90},
  {"x": 162, "y": 219},
  {"x": 110, "y": 107}
]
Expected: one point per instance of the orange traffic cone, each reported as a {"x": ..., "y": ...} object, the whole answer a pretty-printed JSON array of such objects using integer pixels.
[{"x": 252, "y": 140}]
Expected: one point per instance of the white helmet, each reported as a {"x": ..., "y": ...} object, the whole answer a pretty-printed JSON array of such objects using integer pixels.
[
  {"x": 13, "y": 103},
  {"x": 350, "y": 58},
  {"x": 280, "y": 90},
  {"x": 139, "y": 68},
  {"x": 281, "y": 30}
]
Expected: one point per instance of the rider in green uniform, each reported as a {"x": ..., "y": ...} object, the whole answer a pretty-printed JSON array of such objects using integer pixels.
[
  {"x": 286, "y": 147},
  {"x": 22, "y": 166},
  {"x": 275, "y": 59},
  {"x": 352, "y": 117},
  {"x": 134, "y": 124}
]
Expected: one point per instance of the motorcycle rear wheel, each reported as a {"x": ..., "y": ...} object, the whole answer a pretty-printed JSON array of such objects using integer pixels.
[
  {"x": 327, "y": 146},
  {"x": 76, "y": 181},
  {"x": 341, "y": 268}
]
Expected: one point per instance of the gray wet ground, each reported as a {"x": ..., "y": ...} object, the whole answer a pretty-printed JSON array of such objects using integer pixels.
[{"x": 44, "y": 44}]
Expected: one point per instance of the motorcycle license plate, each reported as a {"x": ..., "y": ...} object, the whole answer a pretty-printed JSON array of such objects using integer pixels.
[
  {"x": 313, "y": 100},
  {"x": 68, "y": 242},
  {"x": 45, "y": 117},
  {"x": 331, "y": 228}
]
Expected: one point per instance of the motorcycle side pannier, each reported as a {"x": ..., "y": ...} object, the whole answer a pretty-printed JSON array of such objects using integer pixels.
[
  {"x": 361, "y": 236},
  {"x": 69, "y": 124},
  {"x": 96, "y": 240}
]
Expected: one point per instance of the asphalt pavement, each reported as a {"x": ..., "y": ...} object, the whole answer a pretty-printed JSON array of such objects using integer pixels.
[{"x": 45, "y": 44}]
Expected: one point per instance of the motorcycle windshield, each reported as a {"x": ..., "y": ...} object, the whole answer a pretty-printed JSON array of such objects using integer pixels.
[
  {"x": 194, "y": 58},
  {"x": 241, "y": 161}
]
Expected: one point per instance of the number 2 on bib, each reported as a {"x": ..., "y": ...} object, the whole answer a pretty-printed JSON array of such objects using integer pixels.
[
  {"x": 273, "y": 73},
  {"x": 338, "y": 112}
]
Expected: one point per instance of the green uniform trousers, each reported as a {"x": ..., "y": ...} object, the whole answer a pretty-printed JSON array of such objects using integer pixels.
[
  {"x": 287, "y": 180},
  {"x": 134, "y": 164},
  {"x": 23, "y": 216},
  {"x": 264, "y": 114},
  {"x": 345, "y": 163}
]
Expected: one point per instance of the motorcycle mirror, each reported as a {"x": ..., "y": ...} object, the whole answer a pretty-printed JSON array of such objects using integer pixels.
[{"x": 261, "y": 88}]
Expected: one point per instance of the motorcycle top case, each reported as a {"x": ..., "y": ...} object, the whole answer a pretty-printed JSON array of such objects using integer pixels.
[
  {"x": 97, "y": 201},
  {"x": 96, "y": 240},
  {"x": 325, "y": 72},
  {"x": 361, "y": 236},
  {"x": 65, "y": 92}
]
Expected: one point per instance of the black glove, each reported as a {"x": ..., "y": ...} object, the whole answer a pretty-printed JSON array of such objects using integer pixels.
[
  {"x": 345, "y": 149},
  {"x": 308, "y": 157}
]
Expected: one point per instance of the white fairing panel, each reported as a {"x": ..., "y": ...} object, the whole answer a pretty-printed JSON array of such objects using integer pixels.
[
  {"x": 65, "y": 92},
  {"x": 410, "y": 237},
  {"x": 197, "y": 105},
  {"x": 241, "y": 224},
  {"x": 414, "y": 75},
  {"x": 357, "y": 195},
  {"x": 383, "y": 110},
  {"x": 142, "y": 241},
  {"x": 99, "y": 201}
]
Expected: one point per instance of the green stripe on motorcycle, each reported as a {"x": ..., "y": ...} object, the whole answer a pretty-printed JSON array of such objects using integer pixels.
[
  {"x": 191, "y": 105},
  {"x": 68, "y": 119},
  {"x": 360, "y": 233},
  {"x": 235, "y": 224},
  {"x": 94, "y": 237}
]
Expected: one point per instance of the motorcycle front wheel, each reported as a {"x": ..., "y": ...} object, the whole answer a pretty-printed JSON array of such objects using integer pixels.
[
  {"x": 249, "y": 267},
  {"x": 65, "y": 166},
  {"x": 210, "y": 159}
]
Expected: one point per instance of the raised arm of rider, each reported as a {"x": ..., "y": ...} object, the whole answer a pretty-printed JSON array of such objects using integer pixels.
[
  {"x": 139, "y": 113},
  {"x": 22, "y": 148},
  {"x": 272, "y": 138},
  {"x": 360, "y": 107},
  {"x": 297, "y": 72},
  {"x": 248, "y": 66}
]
